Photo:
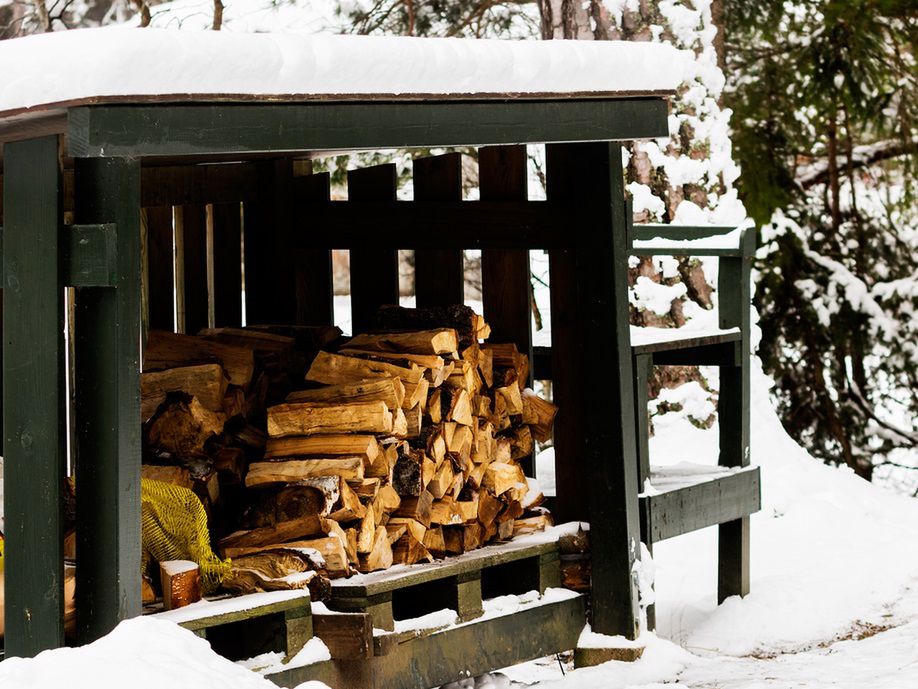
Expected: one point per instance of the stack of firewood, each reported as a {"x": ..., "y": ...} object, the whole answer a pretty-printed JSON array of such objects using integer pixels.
[{"x": 396, "y": 446}]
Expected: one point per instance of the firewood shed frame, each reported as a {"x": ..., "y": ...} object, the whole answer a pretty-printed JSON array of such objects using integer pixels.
[{"x": 75, "y": 178}]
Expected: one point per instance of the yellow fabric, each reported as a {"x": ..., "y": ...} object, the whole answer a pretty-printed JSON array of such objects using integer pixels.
[
  {"x": 175, "y": 528},
  {"x": 1, "y": 554}
]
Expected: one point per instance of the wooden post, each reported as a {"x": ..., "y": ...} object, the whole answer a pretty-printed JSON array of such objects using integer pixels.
[
  {"x": 505, "y": 289},
  {"x": 34, "y": 397},
  {"x": 439, "y": 274},
  {"x": 608, "y": 423},
  {"x": 108, "y": 406},
  {"x": 734, "y": 289},
  {"x": 314, "y": 289},
  {"x": 374, "y": 272}
]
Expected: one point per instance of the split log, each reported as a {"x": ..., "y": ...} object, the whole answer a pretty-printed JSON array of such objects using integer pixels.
[
  {"x": 434, "y": 542},
  {"x": 315, "y": 496},
  {"x": 181, "y": 583},
  {"x": 407, "y": 475},
  {"x": 388, "y": 390},
  {"x": 294, "y": 529},
  {"x": 489, "y": 507},
  {"x": 177, "y": 476},
  {"x": 544, "y": 413},
  {"x": 416, "y": 508},
  {"x": 388, "y": 499},
  {"x": 380, "y": 556},
  {"x": 456, "y": 406},
  {"x": 234, "y": 402},
  {"x": 529, "y": 525},
  {"x": 409, "y": 550},
  {"x": 331, "y": 549},
  {"x": 366, "y": 534},
  {"x": 294, "y": 470},
  {"x": 205, "y": 382},
  {"x": 166, "y": 350},
  {"x": 244, "y": 580},
  {"x": 444, "y": 513},
  {"x": 459, "y": 317},
  {"x": 182, "y": 425},
  {"x": 350, "y": 445},
  {"x": 334, "y": 369},
  {"x": 439, "y": 341},
  {"x": 521, "y": 444},
  {"x": 308, "y": 418},
  {"x": 416, "y": 394},
  {"x": 512, "y": 399},
  {"x": 349, "y": 507}
]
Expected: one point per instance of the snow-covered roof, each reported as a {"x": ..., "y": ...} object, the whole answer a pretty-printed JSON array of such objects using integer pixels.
[{"x": 123, "y": 65}]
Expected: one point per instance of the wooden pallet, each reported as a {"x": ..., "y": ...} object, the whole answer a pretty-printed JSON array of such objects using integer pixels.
[{"x": 458, "y": 583}]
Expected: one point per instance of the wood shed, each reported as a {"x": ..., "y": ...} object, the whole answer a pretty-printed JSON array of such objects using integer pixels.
[{"x": 99, "y": 160}]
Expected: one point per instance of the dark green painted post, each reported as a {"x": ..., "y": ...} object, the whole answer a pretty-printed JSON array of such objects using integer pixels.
[
  {"x": 108, "y": 406},
  {"x": 34, "y": 395},
  {"x": 733, "y": 285},
  {"x": 643, "y": 369},
  {"x": 608, "y": 426}
]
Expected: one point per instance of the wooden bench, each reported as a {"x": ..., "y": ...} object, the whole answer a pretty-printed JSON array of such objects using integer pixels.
[
  {"x": 247, "y": 626},
  {"x": 709, "y": 496}
]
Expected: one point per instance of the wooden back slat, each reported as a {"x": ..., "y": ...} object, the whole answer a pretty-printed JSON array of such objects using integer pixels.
[
  {"x": 374, "y": 272},
  {"x": 439, "y": 275},
  {"x": 314, "y": 293},
  {"x": 160, "y": 268},
  {"x": 505, "y": 286},
  {"x": 191, "y": 291},
  {"x": 227, "y": 260}
]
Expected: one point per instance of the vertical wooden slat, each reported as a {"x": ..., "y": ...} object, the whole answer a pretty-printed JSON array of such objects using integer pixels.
[
  {"x": 161, "y": 268},
  {"x": 269, "y": 226},
  {"x": 607, "y": 409},
  {"x": 374, "y": 272},
  {"x": 108, "y": 406},
  {"x": 439, "y": 274},
  {"x": 505, "y": 273},
  {"x": 227, "y": 229},
  {"x": 734, "y": 289},
  {"x": 193, "y": 221},
  {"x": 314, "y": 291},
  {"x": 34, "y": 392}
]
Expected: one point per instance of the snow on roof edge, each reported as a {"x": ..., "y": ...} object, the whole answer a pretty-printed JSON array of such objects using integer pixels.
[{"x": 122, "y": 64}]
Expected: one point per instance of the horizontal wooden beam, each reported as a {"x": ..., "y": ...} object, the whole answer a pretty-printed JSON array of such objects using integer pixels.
[
  {"x": 179, "y": 185},
  {"x": 439, "y": 225},
  {"x": 665, "y": 239},
  {"x": 215, "y": 129},
  {"x": 89, "y": 258},
  {"x": 698, "y": 505}
]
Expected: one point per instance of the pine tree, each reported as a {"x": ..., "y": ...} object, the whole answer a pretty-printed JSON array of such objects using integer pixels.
[{"x": 827, "y": 100}]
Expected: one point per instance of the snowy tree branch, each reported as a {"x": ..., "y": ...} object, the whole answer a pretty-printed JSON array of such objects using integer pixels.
[{"x": 862, "y": 156}]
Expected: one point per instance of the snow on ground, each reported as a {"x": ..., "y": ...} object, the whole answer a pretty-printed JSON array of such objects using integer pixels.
[
  {"x": 834, "y": 599},
  {"x": 143, "y": 653}
]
